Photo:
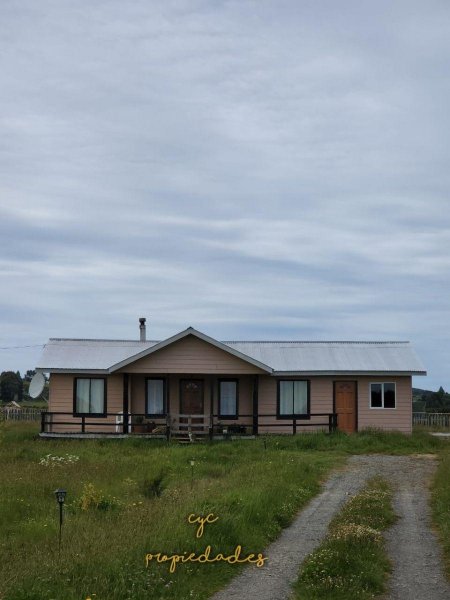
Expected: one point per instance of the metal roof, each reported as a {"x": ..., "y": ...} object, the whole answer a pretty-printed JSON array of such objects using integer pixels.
[
  {"x": 281, "y": 357},
  {"x": 334, "y": 357}
]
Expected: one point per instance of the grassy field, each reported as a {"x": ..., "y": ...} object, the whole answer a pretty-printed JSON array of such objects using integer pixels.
[
  {"x": 351, "y": 563},
  {"x": 127, "y": 498}
]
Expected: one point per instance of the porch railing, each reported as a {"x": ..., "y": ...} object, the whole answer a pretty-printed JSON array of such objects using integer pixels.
[{"x": 211, "y": 425}]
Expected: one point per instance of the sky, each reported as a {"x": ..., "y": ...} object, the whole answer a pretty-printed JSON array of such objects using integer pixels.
[{"x": 255, "y": 169}]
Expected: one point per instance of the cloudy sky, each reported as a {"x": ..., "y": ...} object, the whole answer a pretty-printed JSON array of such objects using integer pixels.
[{"x": 255, "y": 169}]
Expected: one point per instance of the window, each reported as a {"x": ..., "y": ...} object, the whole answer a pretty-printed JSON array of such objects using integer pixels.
[
  {"x": 228, "y": 398},
  {"x": 90, "y": 396},
  {"x": 293, "y": 399},
  {"x": 382, "y": 395},
  {"x": 155, "y": 394}
]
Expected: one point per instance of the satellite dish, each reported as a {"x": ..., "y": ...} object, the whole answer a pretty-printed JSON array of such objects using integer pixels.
[{"x": 36, "y": 385}]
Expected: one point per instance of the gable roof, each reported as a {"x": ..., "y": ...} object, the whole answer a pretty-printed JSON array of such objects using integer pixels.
[{"x": 283, "y": 357}]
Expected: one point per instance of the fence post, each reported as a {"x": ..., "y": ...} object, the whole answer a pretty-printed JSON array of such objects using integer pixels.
[
  {"x": 168, "y": 427},
  {"x": 294, "y": 426},
  {"x": 43, "y": 421},
  {"x": 83, "y": 425}
]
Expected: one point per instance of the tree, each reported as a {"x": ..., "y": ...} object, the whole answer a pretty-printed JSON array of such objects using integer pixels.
[
  {"x": 11, "y": 386},
  {"x": 438, "y": 401},
  {"x": 29, "y": 375}
]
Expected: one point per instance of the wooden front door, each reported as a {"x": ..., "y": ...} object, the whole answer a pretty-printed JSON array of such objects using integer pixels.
[
  {"x": 191, "y": 396},
  {"x": 345, "y": 405}
]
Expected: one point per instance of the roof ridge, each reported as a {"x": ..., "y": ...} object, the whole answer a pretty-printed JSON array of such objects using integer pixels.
[
  {"x": 57, "y": 339},
  {"x": 240, "y": 341},
  {"x": 317, "y": 342}
]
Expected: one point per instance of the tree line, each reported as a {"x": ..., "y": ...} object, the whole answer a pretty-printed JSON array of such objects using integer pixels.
[
  {"x": 14, "y": 387},
  {"x": 428, "y": 401}
]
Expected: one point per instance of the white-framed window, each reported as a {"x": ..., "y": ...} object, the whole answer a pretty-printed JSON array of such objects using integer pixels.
[
  {"x": 89, "y": 396},
  {"x": 293, "y": 398},
  {"x": 155, "y": 397},
  {"x": 228, "y": 398},
  {"x": 382, "y": 395}
]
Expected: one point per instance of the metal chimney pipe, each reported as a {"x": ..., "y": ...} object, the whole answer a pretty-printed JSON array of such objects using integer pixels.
[{"x": 142, "y": 328}]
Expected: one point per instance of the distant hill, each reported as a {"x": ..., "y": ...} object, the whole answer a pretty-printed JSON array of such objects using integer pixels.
[
  {"x": 429, "y": 401},
  {"x": 419, "y": 393}
]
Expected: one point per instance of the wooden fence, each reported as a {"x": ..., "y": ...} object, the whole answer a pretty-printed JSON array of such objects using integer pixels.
[
  {"x": 9, "y": 413},
  {"x": 441, "y": 420}
]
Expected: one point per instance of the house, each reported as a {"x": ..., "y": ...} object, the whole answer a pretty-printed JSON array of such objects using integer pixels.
[
  {"x": 13, "y": 404},
  {"x": 193, "y": 384}
]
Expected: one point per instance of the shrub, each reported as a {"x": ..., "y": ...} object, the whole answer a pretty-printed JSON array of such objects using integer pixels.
[
  {"x": 154, "y": 487},
  {"x": 93, "y": 498}
]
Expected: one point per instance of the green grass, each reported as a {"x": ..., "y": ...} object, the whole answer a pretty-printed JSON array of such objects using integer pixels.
[
  {"x": 441, "y": 504},
  {"x": 365, "y": 442},
  {"x": 129, "y": 497},
  {"x": 351, "y": 563}
]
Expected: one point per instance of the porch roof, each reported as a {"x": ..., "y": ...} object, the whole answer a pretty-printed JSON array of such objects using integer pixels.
[{"x": 274, "y": 357}]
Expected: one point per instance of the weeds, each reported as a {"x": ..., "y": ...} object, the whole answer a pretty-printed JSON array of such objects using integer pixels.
[
  {"x": 153, "y": 487},
  {"x": 351, "y": 563}
]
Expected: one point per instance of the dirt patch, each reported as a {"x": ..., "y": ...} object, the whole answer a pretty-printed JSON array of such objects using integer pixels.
[{"x": 415, "y": 553}]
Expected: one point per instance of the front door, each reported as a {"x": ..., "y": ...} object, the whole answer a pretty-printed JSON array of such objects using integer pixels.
[
  {"x": 191, "y": 397},
  {"x": 345, "y": 405},
  {"x": 191, "y": 403}
]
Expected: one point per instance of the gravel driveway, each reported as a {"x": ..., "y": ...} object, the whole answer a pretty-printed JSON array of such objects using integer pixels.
[{"x": 412, "y": 546}]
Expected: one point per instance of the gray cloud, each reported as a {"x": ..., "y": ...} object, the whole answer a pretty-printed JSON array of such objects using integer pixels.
[{"x": 255, "y": 169}]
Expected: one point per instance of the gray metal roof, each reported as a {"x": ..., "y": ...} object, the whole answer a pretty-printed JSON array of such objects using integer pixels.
[
  {"x": 334, "y": 357},
  {"x": 293, "y": 357}
]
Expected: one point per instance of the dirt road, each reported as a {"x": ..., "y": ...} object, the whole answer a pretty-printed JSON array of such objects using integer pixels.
[{"x": 411, "y": 543}]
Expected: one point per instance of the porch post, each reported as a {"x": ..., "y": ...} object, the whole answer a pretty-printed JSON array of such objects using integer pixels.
[
  {"x": 255, "y": 404},
  {"x": 125, "y": 403}
]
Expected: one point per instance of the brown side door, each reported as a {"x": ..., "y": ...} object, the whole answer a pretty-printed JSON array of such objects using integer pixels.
[{"x": 345, "y": 405}]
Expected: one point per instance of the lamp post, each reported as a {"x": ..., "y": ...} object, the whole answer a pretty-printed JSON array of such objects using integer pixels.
[{"x": 60, "y": 498}]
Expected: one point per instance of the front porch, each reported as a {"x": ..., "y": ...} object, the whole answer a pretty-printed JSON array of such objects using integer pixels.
[
  {"x": 187, "y": 407},
  {"x": 178, "y": 426}
]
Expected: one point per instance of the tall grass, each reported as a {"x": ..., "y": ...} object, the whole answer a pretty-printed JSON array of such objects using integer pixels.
[{"x": 129, "y": 497}]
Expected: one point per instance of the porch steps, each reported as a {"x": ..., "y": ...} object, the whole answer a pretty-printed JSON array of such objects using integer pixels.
[{"x": 184, "y": 437}]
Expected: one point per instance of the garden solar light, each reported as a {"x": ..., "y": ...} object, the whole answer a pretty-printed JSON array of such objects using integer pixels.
[{"x": 60, "y": 497}]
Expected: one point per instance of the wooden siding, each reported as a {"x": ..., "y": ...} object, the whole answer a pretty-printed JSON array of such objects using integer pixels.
[
  {"x": 388, "y": 419},
  {"x": 191, "y": 355},
  {"x": 400, "y": 418},
  {"x": 321, "y": 402},
  {"x": 61, "y": 400},
  {"x": 211, "y": 389}
]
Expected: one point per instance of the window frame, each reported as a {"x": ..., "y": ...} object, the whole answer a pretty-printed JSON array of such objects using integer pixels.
[
  {"x": 103, "y": 414},
  {"x": 236, "y": 413},
  {"x": 304, "y": 416},
  {"x": 382, "y": 407},
  {"x": 162, "y": 415}
]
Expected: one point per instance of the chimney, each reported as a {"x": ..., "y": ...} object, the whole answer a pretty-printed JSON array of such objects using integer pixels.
[{"x": 142, "y": 328}]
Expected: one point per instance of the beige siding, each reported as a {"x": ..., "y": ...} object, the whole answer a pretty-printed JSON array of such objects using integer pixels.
[
  {"x": 61, "y": 400},
  {"x": 191, "y": 355},
  {"x": 321, "y": 402},
  {"x": 399, "y": 418},
  {"x": 211, "y": 392}
]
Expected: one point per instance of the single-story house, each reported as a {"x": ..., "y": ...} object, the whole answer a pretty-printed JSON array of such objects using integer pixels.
[{"x": 193, "y": 384}]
